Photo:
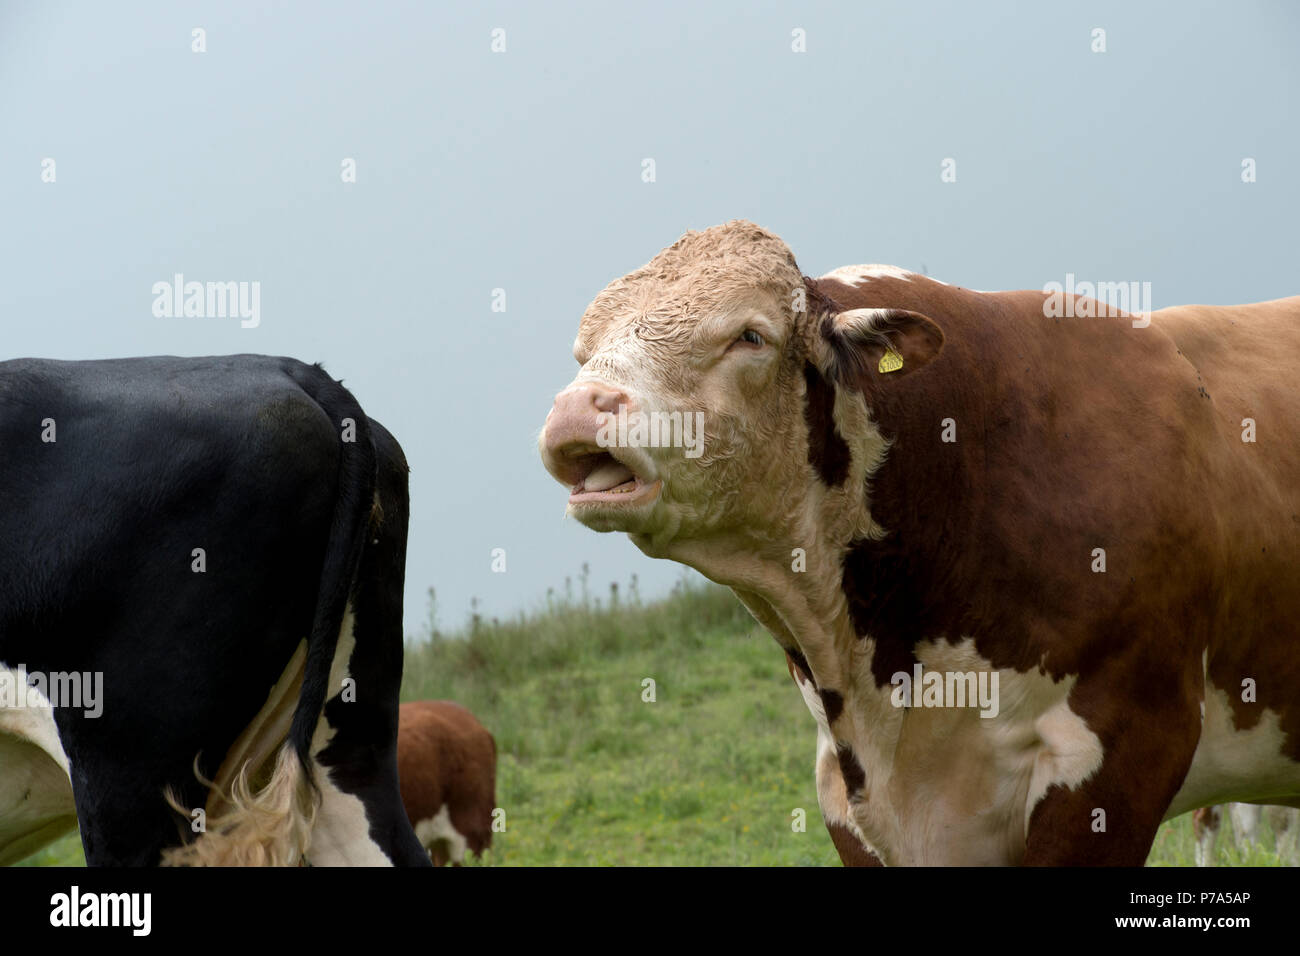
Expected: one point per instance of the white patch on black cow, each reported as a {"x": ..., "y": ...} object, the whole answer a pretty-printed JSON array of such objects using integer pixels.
[
  {"x": 340, "y": 835},
  {"x": 36, "y": 802}
]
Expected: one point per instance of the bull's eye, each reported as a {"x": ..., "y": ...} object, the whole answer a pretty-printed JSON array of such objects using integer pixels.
[{"x": 752, "y": 337}]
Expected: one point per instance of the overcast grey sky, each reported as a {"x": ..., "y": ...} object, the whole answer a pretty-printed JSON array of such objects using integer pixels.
[{"x": 522, "y": 170}]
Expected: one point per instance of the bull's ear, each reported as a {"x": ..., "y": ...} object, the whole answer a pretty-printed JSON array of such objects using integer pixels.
[{"x": 875, "y": 346}]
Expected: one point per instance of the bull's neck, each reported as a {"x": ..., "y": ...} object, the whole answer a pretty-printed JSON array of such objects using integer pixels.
[
  {"x": 850, "y": 576},
  {"x": 789, "y": 577}
]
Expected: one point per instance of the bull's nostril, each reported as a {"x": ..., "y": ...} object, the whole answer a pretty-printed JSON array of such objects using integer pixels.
[{"x": 607, "y": 400}]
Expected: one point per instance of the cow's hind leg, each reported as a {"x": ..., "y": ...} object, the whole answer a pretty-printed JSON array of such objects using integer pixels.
[
  {"x": 446, "y": 844},
  {"x": 361, "y": 819}
]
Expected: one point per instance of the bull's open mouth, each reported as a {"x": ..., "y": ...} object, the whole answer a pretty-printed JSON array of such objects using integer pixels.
[{"x": 604, "y": 480}]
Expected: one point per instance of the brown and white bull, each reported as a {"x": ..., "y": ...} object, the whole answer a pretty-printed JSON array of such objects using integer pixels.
[
  {"x": 1067, "y": 521},
  {"x": 447, "y": 768}
]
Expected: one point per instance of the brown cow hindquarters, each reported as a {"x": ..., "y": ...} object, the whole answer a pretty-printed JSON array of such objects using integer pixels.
[{"x": 447, "y": 766}]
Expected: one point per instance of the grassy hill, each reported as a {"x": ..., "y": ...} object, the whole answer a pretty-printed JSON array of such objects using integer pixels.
[{"x": 711, "y": 772}]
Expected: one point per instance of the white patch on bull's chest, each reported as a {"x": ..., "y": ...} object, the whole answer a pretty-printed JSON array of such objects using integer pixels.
[
  {"x": 36, "y": 802},
  {"x": 341, "y": 833},
  {"x": 1236, "y": 765},
  {"x": 945, "y": 785}
]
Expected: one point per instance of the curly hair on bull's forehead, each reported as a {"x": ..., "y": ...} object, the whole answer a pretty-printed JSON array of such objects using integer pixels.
[{"x": 703, "y": 272}]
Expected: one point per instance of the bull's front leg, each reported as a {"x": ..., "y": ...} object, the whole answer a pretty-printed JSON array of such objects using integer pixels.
[{"x": 1149, "y": 728}]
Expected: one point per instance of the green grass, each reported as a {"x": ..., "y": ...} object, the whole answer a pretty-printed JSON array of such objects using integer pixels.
[
  {"x": 1175, "y": 846},
  {"x": 589, "y": 773},
  {"x": 65, "y": 851},
  {"x": 710, "y": 772}
]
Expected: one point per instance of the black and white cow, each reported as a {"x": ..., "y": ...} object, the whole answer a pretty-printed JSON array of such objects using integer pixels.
[{"x": 214, "y": 548}]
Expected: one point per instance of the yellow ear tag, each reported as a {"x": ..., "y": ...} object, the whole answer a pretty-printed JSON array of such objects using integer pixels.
[{"x": 891, "y": 361}]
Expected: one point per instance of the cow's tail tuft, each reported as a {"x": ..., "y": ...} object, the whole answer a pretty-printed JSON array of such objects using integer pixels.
[{"x": 269, "y": 826}]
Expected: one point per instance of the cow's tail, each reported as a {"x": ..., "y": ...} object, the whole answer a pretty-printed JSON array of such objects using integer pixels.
[{"x": 267, "y": 820}]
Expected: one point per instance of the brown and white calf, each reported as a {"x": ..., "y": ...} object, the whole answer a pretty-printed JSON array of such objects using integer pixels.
[
  {"x": 901, "y": 478},
  {"x": 447, "y": 767}
]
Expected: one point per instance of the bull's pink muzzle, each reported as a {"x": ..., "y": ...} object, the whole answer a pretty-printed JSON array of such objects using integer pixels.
[{"x": 572, "y": 450}]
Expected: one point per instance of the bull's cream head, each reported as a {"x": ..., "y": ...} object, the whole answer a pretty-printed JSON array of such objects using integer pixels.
[{"x": 720, "y": 402}]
